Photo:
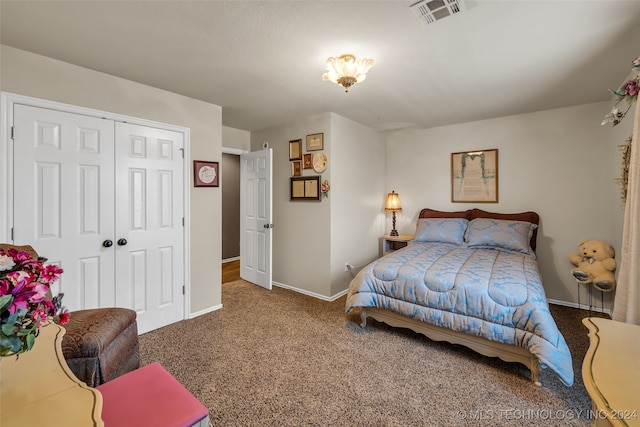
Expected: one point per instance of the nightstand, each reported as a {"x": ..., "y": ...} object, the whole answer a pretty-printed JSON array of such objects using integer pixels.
[{"x": 392, "y": 243}]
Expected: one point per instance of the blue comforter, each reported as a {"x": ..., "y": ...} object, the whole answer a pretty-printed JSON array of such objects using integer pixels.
[{"x": 484, "y": 292}]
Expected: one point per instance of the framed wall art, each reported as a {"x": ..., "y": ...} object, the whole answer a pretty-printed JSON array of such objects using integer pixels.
[
  {"x": 474, "y": 176},
  {"x": 307, "y": 161},
  {"x": 295, "y": 149},
  {"x": 305, "y": 188},
  {"x": 296, "y": 168},
  {"x": 205, "y": 174},
  {"x": 315, "y": 142}
]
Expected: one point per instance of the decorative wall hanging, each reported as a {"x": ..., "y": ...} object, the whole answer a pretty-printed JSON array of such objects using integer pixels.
[
  {"x": 296, "y": 168},
  {"x": 307, "y": 161},
  {"x": 628, "y": 91},
  {"x": 295, "y": 149},
  {"x": 320, "y": 162},
  {"x": 474, "y": 176},
  {"x": 205, "y": 174},
  {"x": 315, "y": 142},
  {"x": 623, "y": 181},
  {"x": 305, "y": 188}
]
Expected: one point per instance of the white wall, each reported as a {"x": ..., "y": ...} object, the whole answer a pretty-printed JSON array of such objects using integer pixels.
[
  {"x": 236, "y": 139},
  {"x": 37, "y": 76},
  {"x": 560, "y": 163},
  {"x": 357, "y": 196}
]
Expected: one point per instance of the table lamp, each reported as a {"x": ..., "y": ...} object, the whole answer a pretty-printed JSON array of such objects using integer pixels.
[{"x": 393, "y": 206}]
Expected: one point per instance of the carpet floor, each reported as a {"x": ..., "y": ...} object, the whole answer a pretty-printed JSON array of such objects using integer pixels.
[{"x": 281, "y": 358}]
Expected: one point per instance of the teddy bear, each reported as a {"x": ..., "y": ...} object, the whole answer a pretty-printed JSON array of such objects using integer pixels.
[{"x": 595, "y": 263}]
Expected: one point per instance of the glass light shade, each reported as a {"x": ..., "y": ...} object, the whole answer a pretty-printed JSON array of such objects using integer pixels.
[
  {"x": 393, "y": 203},
  {"x": 346, "y": 71}
]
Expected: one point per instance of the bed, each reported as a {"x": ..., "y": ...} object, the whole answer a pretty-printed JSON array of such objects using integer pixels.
[{"x": 470, "y": 278}]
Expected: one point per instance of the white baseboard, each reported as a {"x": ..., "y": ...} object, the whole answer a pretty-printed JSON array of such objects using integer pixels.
[
  {"x": 312, "y": 294},
  {"x": 205, "y": 311},
  {"x": 235, "y": 258},
  {"x": 581, "y": 306}
]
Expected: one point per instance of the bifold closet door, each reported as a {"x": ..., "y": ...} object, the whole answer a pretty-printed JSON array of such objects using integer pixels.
[
  {"x": 149, "y": 217},
  {"x": 103, "y": 200},
  {"x": 63, "y": 197}
]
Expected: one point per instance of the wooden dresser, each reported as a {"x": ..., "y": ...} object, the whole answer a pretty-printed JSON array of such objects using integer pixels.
[
  {"x": 39, "y": 389},
  {"x": 611, "y": 372}
]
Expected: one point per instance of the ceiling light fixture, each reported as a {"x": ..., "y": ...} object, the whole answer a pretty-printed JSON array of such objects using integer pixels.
[{"x": 346, "y": 71}]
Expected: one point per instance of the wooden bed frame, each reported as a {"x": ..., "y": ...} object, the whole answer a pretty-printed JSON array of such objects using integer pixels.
[{"x": 506, "y": 352}]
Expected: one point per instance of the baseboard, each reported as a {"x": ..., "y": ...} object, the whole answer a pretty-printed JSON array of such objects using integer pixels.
[
  {"x": 205, "y": 311},
  {"x": 581, "y": 306},
  {"x": 235, "y": 258},
  {"x": 312, "y": 294}
]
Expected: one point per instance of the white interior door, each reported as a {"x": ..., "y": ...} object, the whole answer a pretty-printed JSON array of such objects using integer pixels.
[
  {"x": 255, "y": 217},
  {"x": 63, "y": 199},
  {"x": 149, "y": 224}
]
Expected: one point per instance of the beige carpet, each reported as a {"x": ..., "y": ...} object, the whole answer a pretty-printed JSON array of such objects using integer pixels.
[{"x": 280, "y": 358}]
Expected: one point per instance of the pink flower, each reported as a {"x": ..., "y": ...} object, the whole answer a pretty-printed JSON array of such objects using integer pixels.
[
  {"x": 64, "y": 318},
  {"x": 631, "y": 88},
  {"x": 51, "y": 273}
]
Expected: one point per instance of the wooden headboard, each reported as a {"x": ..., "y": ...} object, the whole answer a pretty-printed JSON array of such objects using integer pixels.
[{"x": 470, "y": 214}]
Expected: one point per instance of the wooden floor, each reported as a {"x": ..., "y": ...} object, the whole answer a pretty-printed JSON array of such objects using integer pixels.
[{"x": 230, "y": 271}]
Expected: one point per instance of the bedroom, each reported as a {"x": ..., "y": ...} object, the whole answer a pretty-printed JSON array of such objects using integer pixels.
[{"x": 551, "y": 159}]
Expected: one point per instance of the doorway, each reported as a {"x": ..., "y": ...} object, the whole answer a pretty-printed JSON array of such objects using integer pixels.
[{"x": 230, "y": 173}]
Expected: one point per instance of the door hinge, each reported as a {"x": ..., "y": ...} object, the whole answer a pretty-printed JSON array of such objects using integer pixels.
[
  {"x": 183, "y": 221},
  {"x": 12, "y": 237},
  {"x": 182, "y": 151},
  {"x": 12, "y": 132},
  {"x": 183, "y": 289}
]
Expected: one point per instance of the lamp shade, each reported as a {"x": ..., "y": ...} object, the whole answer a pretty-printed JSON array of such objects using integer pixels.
[{"x": 393, "y": 203}]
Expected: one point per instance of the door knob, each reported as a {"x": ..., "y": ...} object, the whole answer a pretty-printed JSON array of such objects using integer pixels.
[
  {"x": 107, "y": 243},
  {"x": 122, "y": 242},
  {"x": 268, "y": 226}
]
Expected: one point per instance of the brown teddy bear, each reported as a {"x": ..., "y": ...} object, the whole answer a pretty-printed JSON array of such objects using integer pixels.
[{"x": 595, "y": 263}]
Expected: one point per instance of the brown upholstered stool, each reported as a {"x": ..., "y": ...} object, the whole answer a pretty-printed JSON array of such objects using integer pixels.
[{"x": 101, "y": 344}]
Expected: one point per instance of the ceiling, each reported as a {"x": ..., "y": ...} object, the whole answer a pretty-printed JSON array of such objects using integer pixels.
[{"x": 262, "y": 61}]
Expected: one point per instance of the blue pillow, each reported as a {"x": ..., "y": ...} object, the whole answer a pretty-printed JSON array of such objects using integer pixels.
[
  {"x": 443, "y": 230},
  {"x": 500, "y": 234}
]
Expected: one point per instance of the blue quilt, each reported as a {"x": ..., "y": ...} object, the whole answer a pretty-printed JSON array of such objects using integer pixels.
[{"x": 489, "y": 293}]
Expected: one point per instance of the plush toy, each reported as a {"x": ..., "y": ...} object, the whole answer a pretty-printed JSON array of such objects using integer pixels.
[{"x": 595, "y": 263}]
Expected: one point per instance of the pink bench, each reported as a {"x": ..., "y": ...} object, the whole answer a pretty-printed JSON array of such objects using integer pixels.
[{"x": 150, "y": 396}]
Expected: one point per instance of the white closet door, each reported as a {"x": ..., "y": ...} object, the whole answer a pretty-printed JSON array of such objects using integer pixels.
[
  {"x": 149, "y": 215},
  {"x": 63, "y": 199}
]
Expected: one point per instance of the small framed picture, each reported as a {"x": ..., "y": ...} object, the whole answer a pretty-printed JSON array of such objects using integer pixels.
[
  {"x": 296, "y": 168},
  {"x": 315, "y": 142},
  {"x": 307, "y": 161},
  {"x": 205, "y": 174},
  {"x": 295, "y": 149}
]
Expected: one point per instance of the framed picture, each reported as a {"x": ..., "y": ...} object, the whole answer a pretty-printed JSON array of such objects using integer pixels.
[
  {"x": 305, "y": 188},
  {"x": 474, "y": 176},
  {"x": 296, "y": 168},
  {"x": 295, "y": 149},
  {"x": 315, "y": 142},
  {"x": 307, "y": 161},
  {"x": 205, "y": 174}
]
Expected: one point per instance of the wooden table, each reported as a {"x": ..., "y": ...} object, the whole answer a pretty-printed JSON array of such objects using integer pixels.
[
  {"x": 39, "y": 389},
  {"x": 611, "y": 372}
]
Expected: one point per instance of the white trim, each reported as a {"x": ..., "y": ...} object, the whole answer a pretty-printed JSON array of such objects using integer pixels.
[
  {"x": 581, "y": 306},
  {"x": 205, "y": 311},
  {"x": 312, "y": 294},
  {"x": 7, "y": 102},
  {"x": 236, "y": 151},
  {"x": 235, "y": 258}
]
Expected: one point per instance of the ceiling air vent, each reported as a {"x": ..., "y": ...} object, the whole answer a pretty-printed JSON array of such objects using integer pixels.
[{"x": 430, "y": 11}]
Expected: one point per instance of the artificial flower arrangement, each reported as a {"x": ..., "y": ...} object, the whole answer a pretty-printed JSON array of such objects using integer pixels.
[
  {"x": 629, "y": 92},
  {"x": 24, "y": 307}
]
